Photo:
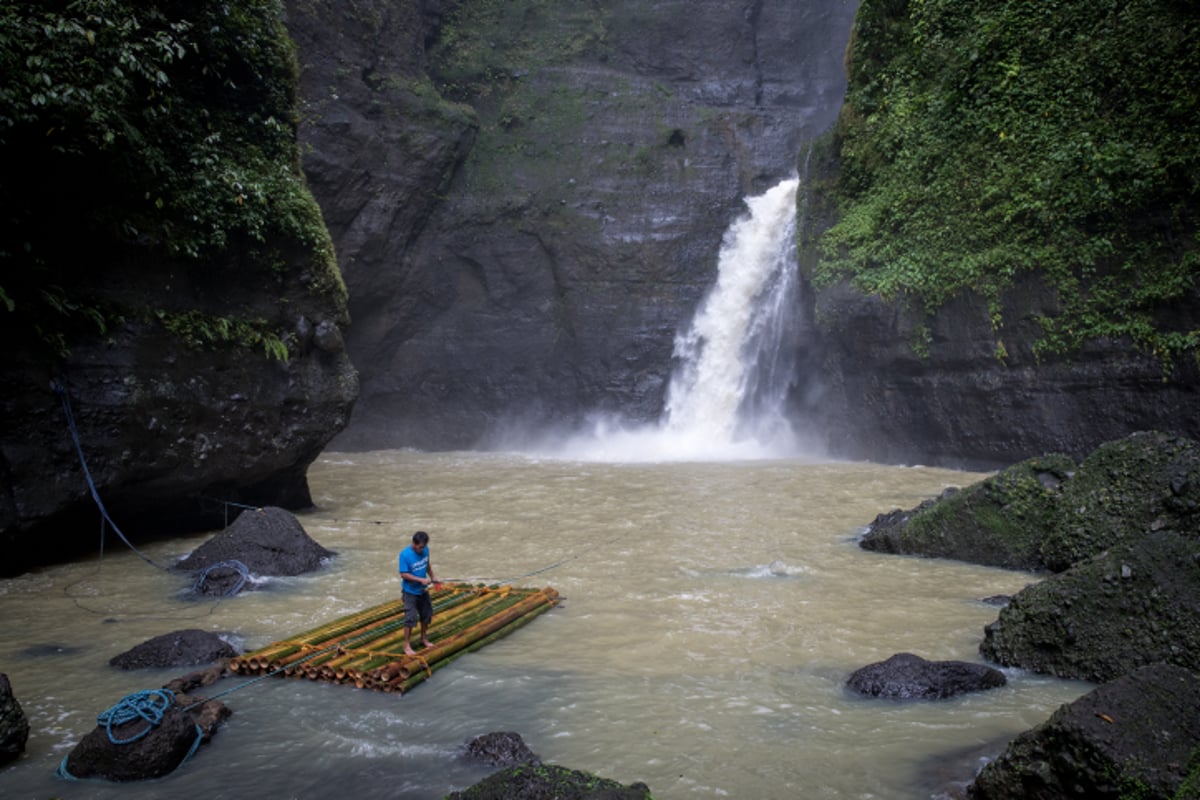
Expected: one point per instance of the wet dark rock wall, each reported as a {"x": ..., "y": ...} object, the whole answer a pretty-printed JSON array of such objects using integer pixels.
[
  {"x": 874, "y": 396},
  {"x": 168, "y": 275},
  {"x": 527, "y": 206}
]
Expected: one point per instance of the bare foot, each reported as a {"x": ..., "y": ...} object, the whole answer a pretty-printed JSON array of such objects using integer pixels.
[
  {"x": 428, "y": 643},
  {"x": 408, "y": 651}
]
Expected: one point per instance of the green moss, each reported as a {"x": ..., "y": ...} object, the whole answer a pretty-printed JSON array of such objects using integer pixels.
[
  {"x": 1123, "y": 489},
  {"x": 145, "y": 136},
  {"x": 1000, "y": 521},
  {"x": 1190, "y": 788},
  {"x": 982, "y": 140},
  {"x": 200, "y": 330}
]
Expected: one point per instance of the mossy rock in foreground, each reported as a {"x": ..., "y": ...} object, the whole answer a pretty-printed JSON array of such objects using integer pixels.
[
  {"x": 1124, "y": 488},
  {"x": 998, "y": 522},
  {"x": 549, "y": 782},
  {"x": 1135, "y": 737},
  {"x": 1134, "y": 605}
]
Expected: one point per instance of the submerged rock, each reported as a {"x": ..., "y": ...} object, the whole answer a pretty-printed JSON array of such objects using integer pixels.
[
  {"x": 905, "y": 676},
  {"x": 549, "y": 782},
  {"x": 1137, "y": 736},
  {"x": 268, "y": 541},
  {"x": 183, "y": 648},
  {"x": 14, "y": 726},
  {"x": 501, "y": 749}
]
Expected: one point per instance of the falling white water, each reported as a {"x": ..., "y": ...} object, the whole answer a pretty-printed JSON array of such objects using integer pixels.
[
  {"x": 736, "y": 361},
  {"x": 730, "y": 386}
]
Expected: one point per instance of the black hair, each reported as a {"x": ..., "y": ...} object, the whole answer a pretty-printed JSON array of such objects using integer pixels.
[{"x": 420, "y": 537}]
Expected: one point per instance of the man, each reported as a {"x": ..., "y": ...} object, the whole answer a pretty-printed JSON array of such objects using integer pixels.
[{"x": 417, "y": 573}]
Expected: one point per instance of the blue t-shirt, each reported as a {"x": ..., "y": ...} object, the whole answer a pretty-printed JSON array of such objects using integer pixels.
[{"x": 414, "y": 564}]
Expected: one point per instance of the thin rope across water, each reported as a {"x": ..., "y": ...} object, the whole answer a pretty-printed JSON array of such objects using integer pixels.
[{"x": 242, "y": 570}]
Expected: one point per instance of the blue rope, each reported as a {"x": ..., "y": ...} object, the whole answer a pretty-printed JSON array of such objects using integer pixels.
[
  {"x": 66, "y": 403},
  {"x": 149, "y": 705},
  {"x": 62, "y": 771},
  {"x": 242, "y": 570}
]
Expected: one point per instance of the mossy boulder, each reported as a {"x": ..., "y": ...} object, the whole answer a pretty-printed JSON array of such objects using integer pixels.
[
  {"x": 1146, "y": 481},
  {"x": 1133, "y": 605},
  {"x": 998, "y": 522},
  {"x": 1135, "y": 737},
  {"x": 14, "y": 725},
  {"x": 549, "y": 782},
  {"x": 1046, "y": 513}
]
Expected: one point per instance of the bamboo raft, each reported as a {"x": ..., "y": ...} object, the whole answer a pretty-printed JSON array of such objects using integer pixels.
[{"x": 366, "y": 649}]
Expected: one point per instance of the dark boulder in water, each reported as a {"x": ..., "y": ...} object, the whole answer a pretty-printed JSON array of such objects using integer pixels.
[
  {"x": 549, "y": 782},
  {"x": 14, "y": 726},
  {"x": 144, "y": 736},
  {"x": 501, "y": 749},
  {"x": 268, "y": 541},
  {"x": 1046, "y": 513},
  {"x": 1133, "y": 605},
  {"x": 905, "y": 676},
  {"x": 183, "y": 648}
]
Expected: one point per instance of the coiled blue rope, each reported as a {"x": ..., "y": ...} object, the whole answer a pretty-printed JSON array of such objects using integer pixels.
[
  {"x": 149, "y": 705},
  {"x": 233, "y": 564}
]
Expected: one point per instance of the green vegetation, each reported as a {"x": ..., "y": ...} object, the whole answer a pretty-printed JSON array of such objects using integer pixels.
[
  {"x": 200, "y": 330},
  {"x": 1000, "y": 521},
  {"x": 485, "y": 45},
  {"x": 488, "y": 54},
  {"x": 983, "y": 140},
  {"x": 146, "y": 137}
]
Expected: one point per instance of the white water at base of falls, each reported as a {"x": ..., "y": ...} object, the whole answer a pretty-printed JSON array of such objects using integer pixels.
[{"x": 726, "y": 398}]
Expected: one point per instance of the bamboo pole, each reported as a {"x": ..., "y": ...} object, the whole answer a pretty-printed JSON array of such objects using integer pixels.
[
  {"x": 407, "y": 666},
  {"x": 403, "y": 685},
  {"x": 362, "y": 648},
  {"x": 280, "y": 654}
]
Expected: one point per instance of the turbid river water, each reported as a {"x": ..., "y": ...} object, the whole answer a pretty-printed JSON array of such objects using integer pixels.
[{"x": 713, "y": 613}]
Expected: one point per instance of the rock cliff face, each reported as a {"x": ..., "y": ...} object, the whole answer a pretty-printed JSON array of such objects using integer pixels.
[
  {"x": 168, "y": 430},
  {"x": 528, "y": 198},
  {"x": 171, "y": 307},
  {"x": 875, "y": 395},
  {"x": 1023, "y": 294}
]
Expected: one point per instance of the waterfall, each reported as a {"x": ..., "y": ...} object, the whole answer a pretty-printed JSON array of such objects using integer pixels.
[{"x": 735, "y": 362}]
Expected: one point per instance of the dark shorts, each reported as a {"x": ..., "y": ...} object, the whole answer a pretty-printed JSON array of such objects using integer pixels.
[{"x": 417, "y": 608}]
